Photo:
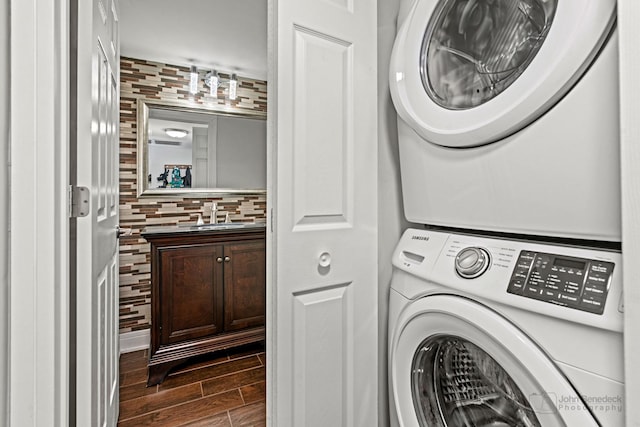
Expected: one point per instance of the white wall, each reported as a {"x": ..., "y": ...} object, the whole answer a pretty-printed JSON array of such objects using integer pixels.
[
  {"x": 241, "y": 153},
  {"x": 4, "y": 205},
  {"x": 391, "y": 220}
]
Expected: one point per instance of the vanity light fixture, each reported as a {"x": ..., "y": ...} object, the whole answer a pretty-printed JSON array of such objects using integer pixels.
[
  {"x": 193, "y": 82},
  {"x": 176, "y": 133},
  {"x": 233, "y": 85},
  {"x": 213, "y": 81}
]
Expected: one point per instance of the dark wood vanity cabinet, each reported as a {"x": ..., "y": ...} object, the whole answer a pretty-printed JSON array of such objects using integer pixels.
[{"x": 208, "y": 293}]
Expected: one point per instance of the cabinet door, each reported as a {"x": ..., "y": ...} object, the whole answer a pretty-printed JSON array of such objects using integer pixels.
[
  {"x": 191, "y": 298},
  {"x": 244, "y": 285}
]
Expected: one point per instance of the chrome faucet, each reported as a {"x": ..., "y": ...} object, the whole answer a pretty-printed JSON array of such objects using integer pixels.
[{"x": 213, "y": 218}]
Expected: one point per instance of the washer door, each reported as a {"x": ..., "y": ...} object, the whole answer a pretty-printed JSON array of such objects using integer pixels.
[
  {"x": 469, "y": 72},
  {"x": 455, "y": 362}
]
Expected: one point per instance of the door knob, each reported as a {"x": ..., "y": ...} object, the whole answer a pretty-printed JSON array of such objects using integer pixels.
[
  {"x": 227, "y": 259},
  {"x": 324, "y": 260},
  {"x": 121, "y": 232},
  {"x": 219, "y": 259}
]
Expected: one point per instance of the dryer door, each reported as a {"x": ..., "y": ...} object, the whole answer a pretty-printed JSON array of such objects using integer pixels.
[
  {"x": 455, "y": 362},
  {"x": 469, "y": 72}
]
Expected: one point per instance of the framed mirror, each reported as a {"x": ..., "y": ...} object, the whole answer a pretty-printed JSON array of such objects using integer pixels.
[{"x": 198, "y": 150}]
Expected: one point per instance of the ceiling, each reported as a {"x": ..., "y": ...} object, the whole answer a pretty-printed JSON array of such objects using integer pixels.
[{"x": 227, "y": 35}]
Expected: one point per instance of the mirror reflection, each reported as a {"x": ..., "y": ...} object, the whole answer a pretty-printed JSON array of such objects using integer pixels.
[{"x": 198, "y": 149}]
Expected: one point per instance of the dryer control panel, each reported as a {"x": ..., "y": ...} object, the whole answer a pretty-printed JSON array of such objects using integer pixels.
[{"x": 577, "y": 283}]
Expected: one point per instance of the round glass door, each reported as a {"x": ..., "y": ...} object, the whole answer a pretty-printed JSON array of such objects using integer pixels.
[
  {"x": 455, "y": 383},
  {"x": 456, "y": 363},
  {"x": 475, "y": 49}
]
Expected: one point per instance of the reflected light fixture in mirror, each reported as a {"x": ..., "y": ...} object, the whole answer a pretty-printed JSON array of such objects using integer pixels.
[{"x": 176, "y": 133}]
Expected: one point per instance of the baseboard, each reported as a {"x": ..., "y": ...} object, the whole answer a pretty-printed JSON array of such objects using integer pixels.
[{"x": 134, "y": 341}]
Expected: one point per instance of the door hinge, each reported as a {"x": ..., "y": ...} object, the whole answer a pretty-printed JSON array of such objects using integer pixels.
[
  {"x": 271, "y": 220},
  {"x": 78, "y": 201}
]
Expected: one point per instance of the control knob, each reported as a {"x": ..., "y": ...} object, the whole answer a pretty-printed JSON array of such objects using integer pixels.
[{"x": 472, "y": 262}]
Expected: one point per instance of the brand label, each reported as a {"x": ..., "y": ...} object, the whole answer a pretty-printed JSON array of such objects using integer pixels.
[{"x": 425, "y": 238}]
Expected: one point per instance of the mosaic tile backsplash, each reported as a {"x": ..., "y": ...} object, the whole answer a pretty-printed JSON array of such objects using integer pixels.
[{"x": 156, "y": 81}]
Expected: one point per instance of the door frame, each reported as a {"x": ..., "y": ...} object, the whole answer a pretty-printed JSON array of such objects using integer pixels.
[
  {"x": 4, "y": 206},
  {"x": 628, "y": 14},
  {"x": 38, "y": 385}
]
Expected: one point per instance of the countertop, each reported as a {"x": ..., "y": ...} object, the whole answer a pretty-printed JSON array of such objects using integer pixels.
[{"x": 193, "y": 229}]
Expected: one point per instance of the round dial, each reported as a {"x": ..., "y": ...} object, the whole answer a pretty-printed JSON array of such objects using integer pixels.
[{"x": 472, "y": 262}]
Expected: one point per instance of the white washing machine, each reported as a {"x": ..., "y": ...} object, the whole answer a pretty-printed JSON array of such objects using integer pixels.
[
  {"x": 508, "y": 115},
  {"x": 492, "y": 332}
]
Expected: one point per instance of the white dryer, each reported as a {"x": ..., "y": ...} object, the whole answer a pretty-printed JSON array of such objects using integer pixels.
[
  {"x": 508, "y": 115},
  {"x": 493, "y": 332}
]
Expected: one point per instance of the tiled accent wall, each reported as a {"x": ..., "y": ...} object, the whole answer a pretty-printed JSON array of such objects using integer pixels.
[{"x": 156, "y": 81}]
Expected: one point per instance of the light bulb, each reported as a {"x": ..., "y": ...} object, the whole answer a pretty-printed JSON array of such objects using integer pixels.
[
  {"x": 233, "y": 85},
  {"x": 213, "y": 81},
  {"x": 193, "y": 83}
]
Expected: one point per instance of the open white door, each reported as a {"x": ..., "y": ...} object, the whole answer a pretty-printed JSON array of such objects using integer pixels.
[
  {"x": 200, "y": 157},
  {"x": 97, "y": 253},
  {"x": 322, "y": 330}
]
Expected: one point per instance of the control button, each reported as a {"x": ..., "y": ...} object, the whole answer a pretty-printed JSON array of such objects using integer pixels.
[
  {"x": 595, "y": 306},
  {"x": 527, "y": 255},
  {"x": 596, "y": 278},
  {"x": 568, "y": 298},
  {"x": 597, "y": 298},
  {"x": 552, "y": 285},
  {"x": 595, "y": 289},
  {"x": 532, "y": 290},
  {"x": 599, "y": 268},
  {"x": 519, "y": 274},
  {"x": 472, "y": 262},
  {"x": 516, "y": 285}
]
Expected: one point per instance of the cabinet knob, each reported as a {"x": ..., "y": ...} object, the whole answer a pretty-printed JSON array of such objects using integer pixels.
[
  {"x": 219, "y": 259},
  {"x": 227, "y": 259}
]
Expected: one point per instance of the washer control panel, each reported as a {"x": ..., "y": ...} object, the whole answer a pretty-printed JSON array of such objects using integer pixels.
[{"x": 577, "y": 283}]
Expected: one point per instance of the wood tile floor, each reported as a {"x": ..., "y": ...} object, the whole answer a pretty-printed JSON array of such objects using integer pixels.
[{"x": 224, "y": 389}]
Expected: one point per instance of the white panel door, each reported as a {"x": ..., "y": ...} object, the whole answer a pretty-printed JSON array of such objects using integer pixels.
[
  {"x": 323, "y": 325},
  {"x": 200, "y": 158},
  {"x": 97, "y": 283}
]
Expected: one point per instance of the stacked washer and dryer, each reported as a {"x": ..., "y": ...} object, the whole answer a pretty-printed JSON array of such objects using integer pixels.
[{"x": 506, "y": 307}]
